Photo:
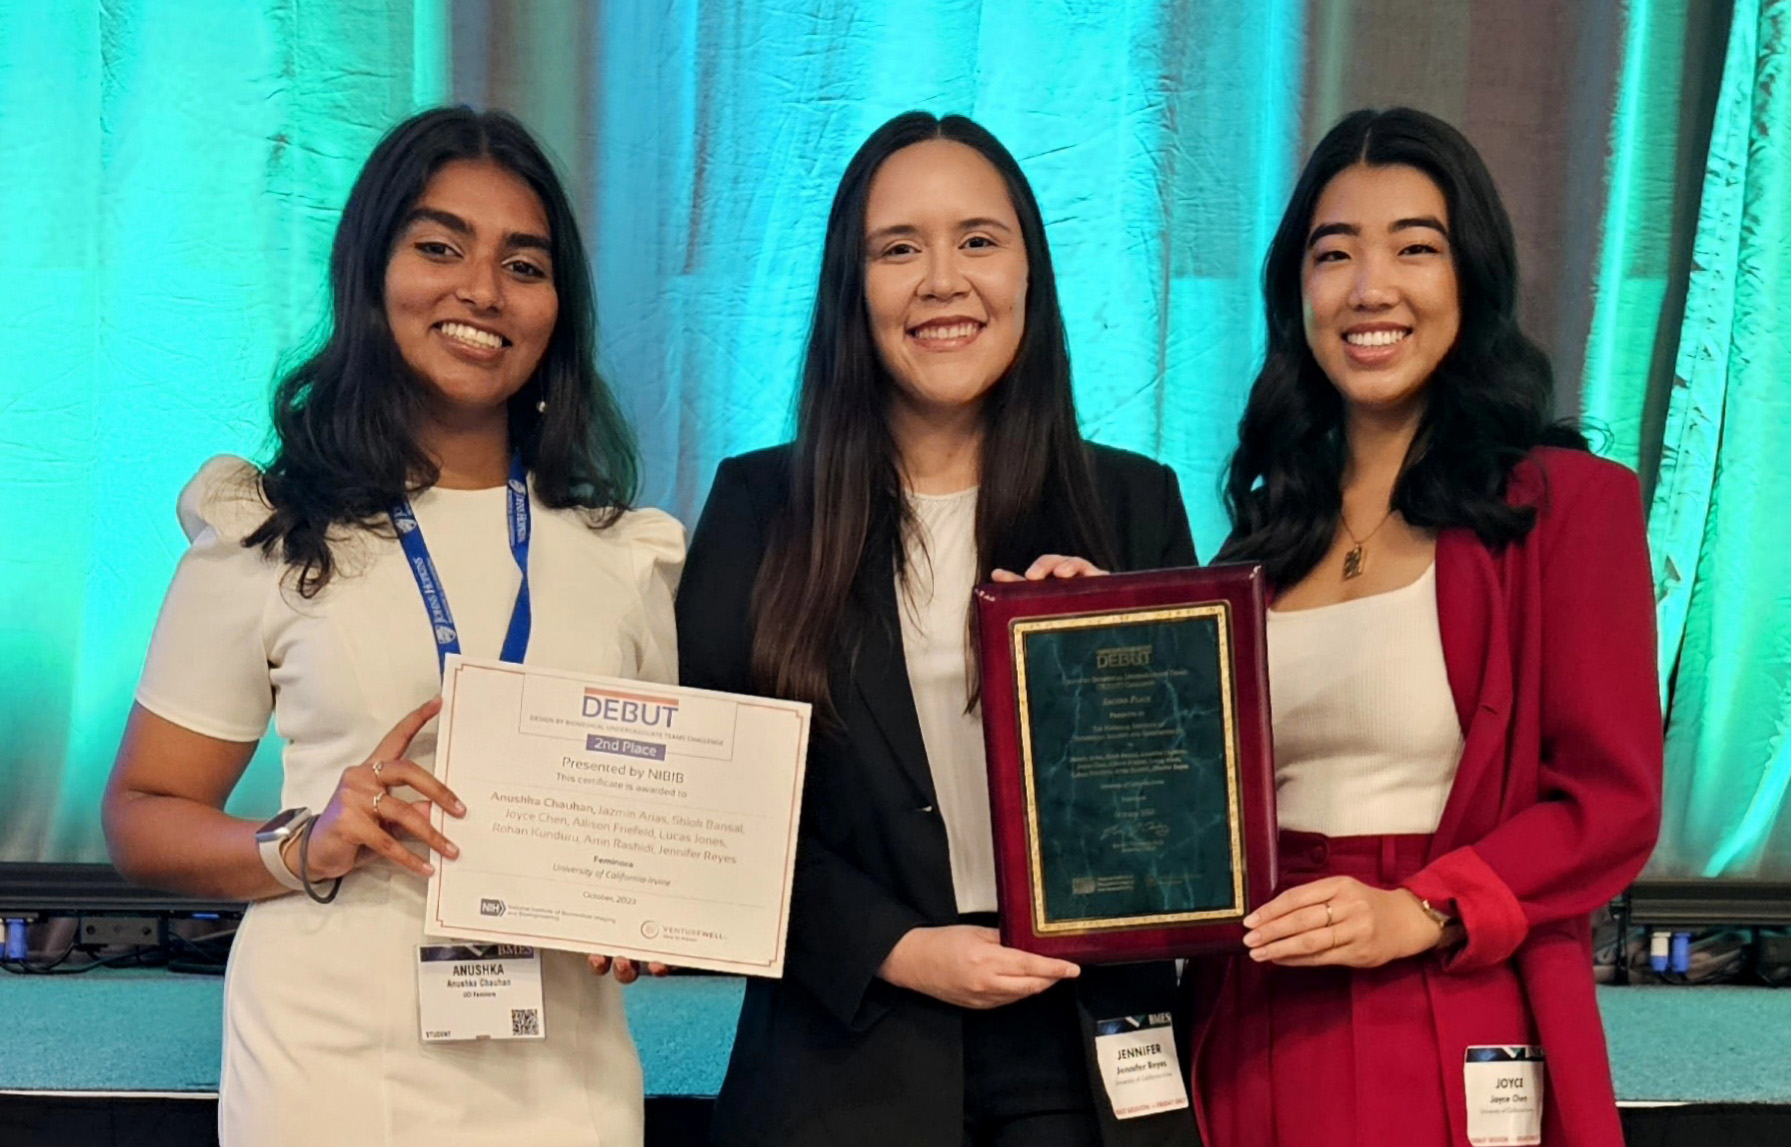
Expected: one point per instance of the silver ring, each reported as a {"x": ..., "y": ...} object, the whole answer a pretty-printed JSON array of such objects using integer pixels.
[
  {"x": 378, "y": 766},
  {"x": 377, "y": 797},
  {"x": 1333, "y": 943},
  {"x": 1328, "y": 920}
]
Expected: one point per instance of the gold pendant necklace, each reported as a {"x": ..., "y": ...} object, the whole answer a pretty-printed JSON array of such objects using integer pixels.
[{"x": 1355, "y": 559}]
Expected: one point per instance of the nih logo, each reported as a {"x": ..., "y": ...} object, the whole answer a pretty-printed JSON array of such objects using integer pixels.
[
  {"x": 489, "y": 906},
  {"x": 630, "y": 708}
]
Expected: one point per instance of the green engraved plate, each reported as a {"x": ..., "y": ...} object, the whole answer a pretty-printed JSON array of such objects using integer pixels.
[{"x": 1131, "y": 778}]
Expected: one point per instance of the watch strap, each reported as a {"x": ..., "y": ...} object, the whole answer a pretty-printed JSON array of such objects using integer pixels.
[
  {"x": 270, "y": 846},
  {"x": 1437, "y": 916}
]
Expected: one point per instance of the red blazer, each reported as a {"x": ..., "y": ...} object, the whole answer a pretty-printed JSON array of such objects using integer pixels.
[
  {"x": 1551, "y": 653},
  {"x": 1550, "y": 650}
]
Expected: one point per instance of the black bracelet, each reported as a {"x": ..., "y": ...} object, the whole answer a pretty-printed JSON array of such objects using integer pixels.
[{"x": 305, "y": 867}]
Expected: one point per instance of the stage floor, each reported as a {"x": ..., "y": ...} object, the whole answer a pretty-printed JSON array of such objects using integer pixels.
[{"x": 116, "y": 1032}]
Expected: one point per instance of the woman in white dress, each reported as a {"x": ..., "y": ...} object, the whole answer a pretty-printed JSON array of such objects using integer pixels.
[{"x": 460, "y": 357}]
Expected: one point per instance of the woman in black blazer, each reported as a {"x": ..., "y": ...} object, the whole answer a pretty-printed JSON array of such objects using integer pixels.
[{"x": 936, "y": 446}]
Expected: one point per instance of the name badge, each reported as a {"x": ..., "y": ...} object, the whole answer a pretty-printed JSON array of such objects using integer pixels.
[
  {"x": 1139, "y": 1066},
  {"x": 479, "y": 991},
  {"x": 1504, "y": 1086}
]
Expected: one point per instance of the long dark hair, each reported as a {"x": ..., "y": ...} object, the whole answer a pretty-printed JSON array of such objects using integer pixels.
[
  {"x": 345, "y": 420},
  {"x": 1489, "y": 402},
  {"x": 846, "y": 503}
]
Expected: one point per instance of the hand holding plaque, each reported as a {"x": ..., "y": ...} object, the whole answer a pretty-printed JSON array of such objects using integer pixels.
[{"x": 1130, "y": 774}]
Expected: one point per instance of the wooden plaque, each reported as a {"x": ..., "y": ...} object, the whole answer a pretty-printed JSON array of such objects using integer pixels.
[{"x": 1131, "y": 773}]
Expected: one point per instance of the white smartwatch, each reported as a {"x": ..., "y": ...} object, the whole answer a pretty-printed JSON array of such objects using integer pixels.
[{"x": 272, "y": 837}]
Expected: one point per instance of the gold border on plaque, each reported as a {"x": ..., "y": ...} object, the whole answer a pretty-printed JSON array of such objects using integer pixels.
[{"x": 1019, "y": 630}]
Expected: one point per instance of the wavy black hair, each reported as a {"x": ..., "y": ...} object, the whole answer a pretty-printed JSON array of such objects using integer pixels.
[
  {"x": 1489, "y": 402},
  {"x": 846, "y": 503},
  {"x": 346, "y": 419}
]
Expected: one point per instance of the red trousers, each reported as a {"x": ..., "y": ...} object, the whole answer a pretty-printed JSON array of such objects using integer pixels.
[{"x": 1337, "y": 1056}]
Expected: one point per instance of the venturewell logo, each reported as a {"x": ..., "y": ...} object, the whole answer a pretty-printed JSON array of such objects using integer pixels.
[{"x": 630, "y": 708}]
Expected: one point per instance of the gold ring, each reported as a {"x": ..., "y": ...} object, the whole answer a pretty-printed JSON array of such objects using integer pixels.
[
  {"x": 377, "y": 797},
  {"x": 1328, "y": 920},
  {"x": 377, "y": 766}
]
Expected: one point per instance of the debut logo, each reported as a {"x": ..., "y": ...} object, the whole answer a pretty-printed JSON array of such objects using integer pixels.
[
  {"x": 630, "y": 708},
  {"x": 491, "y": 907},
  {"x": 1124, "y": 657}
]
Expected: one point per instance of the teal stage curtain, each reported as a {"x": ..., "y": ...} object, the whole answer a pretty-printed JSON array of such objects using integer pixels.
[
  {"x": 1717, "y": 526},
  {"x": 172, "y": 172}
]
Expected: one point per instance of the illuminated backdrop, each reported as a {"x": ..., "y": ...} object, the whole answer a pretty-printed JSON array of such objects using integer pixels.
[{"x": 171, "y": 172}]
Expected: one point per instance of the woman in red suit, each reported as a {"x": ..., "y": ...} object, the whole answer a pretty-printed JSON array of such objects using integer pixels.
[{"x": 1462, "y": 658}]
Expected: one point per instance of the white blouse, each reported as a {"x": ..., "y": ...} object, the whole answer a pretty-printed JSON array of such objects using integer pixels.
[
  {"x": 935, "y": 609},
  {"x": 1367, "y": 739}
]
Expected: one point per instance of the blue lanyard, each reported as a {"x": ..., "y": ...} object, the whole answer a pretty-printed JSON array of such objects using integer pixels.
[{"x": 435, "y": 596}]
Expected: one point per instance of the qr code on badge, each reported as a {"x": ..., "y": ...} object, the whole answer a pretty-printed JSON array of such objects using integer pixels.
[{"x": 525, "y": 1021}]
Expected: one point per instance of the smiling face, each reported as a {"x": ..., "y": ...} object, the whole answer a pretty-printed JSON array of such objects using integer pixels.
[
  {"x": 1379, "y": 292},
  {"x": 469, "y": 290},
  {"x": 945, "y": 276}
]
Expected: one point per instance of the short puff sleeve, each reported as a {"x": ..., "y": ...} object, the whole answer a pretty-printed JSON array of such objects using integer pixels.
[
  {"x": 207, "y": 668},
  {"x": 655, "y": 542}
]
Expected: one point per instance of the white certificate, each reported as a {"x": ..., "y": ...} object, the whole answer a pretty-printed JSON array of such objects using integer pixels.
[{"x": 614, "y": 816}]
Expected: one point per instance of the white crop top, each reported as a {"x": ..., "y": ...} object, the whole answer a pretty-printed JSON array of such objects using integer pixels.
[{"x": 1367, "y": 739}]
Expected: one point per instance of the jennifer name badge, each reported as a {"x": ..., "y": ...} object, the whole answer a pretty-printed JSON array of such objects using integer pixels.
[
  {"x": 479, "y": 991},
  {"x": 1504, "y": 1086},
  {"x": 1139, "y": 1065}
]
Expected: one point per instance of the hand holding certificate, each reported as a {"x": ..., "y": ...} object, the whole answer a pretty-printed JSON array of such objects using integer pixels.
[{"x": 622, "y": 817}]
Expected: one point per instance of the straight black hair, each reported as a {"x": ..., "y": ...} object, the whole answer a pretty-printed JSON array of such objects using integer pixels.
[
  {"x": 1488, "y": 404},
  {"x": 346, "y": 419},
  {"x": 847, "y": 505}
]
